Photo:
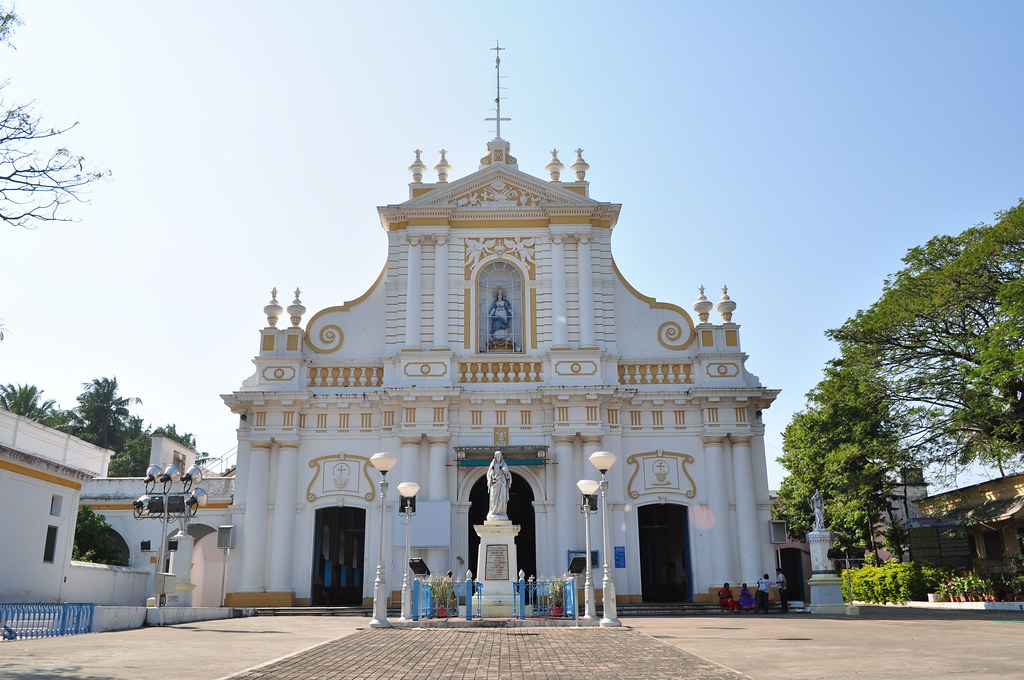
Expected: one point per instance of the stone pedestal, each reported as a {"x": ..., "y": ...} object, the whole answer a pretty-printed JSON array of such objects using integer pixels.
[
  {"x": 497, "y": 566},
  {"x": 826, "y": 587}
]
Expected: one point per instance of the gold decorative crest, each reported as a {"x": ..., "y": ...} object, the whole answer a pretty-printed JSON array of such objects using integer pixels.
[
  {"x": 340, "y": 475},
  {"x": 660, "y": 472}
]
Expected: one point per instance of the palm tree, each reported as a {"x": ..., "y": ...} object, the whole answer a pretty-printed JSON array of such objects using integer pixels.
[
  {"x": 102, "y": 416},
  {"x": 24, "y": 400}
]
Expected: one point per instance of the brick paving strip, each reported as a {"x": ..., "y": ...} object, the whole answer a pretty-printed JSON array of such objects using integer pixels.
[{"x": 514, "y": 653}]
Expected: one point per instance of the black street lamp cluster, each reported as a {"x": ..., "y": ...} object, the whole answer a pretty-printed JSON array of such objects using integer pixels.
[{"x": 161, "y": 504}]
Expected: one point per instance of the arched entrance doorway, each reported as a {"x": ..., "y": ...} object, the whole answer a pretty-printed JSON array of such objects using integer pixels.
[
  {"x": 520, "y": 511},
  {"x": 338, "y": 557},
  {"x": 664, "y": 554}
]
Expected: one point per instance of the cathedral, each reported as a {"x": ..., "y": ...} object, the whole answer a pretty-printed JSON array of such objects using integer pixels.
[{"x": 498, "y": 322}]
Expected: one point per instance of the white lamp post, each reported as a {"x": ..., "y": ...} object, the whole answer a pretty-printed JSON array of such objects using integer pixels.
[
  {"x": 587, "y": 487},
  {"x": 603, "y": 461},
  {"x": 408, "y": 491},
  {"x": 383, "y": 462}
]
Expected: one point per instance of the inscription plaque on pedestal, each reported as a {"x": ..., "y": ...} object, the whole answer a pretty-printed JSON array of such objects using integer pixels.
[{"x": 496, "y": 563}]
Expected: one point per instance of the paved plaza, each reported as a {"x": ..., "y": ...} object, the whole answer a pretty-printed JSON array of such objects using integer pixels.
[{"x": 883, "y": 642}]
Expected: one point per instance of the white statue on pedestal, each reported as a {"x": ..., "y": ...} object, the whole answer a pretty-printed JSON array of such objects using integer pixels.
[
  {"x": 499, "y": 481},
  {"x": 818, "y": 508}
]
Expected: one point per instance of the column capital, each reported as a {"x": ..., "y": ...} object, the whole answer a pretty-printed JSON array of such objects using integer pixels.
[
  {"x": 563, "y": 438},
  {"x": 438, "y": 439},
  {"x": 712, "y": 439},
  {"x": 261, "y": 444},
  {"x": 408, "y": 440}
]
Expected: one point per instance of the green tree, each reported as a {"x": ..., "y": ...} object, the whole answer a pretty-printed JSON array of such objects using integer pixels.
[
  {"x": 947, "y": 336},
  {"x": 102, "y": 415},
  {"x": 34, "y": 185},
  {"x": 847, "y": 444},
  {"x": 93, "y": 539},
  {"x": 27, "y": 401},
  {"x": 133, "y": 457}
]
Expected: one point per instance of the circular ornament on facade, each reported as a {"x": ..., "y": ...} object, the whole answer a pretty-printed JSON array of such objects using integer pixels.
[
  {"x": 671, "y": 335},
  {"x": 278, "y": 373},
  {"x": 575, "y": 367},
  {"x": 723, "y": 369},
  {"x": 331, "y": 338},
  {"x": 425, "y": 369}
]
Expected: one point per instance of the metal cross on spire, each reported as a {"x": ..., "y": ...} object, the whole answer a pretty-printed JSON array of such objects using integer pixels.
[{"x": 498, "y": 49}]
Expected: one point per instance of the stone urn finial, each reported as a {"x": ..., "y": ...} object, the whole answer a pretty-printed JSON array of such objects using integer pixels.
[
  {"x": 703, "y": 306},
  {"x": 443, "y": 168},
  {"x": 273, "y": 309},
  {"x": 554, "y": 166},
  {"x": 580, "y": 166},
  {"x": 417, "y": 168},
  {"x": 296, "y": 309},
  {"x": 726, "y": 306}
]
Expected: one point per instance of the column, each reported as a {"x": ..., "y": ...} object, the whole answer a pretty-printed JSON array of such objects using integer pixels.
[
  {"x": 718, "y": 505},
  {"x": 543, "y": 516},
  {"x": 282, "y": 551},
  {"x": 558, "y": 306},
  {"x": 746, "y": 511},
  {"x": 437, "y": 485},
  {"x": 460, "y": 538},
  {"x": 565, "y": 500},
  {"x": 409, "y": 462},
  {"x": 254, "y": 531},
  {"x": 437, "y": 490},
  {"x": 413, "y": 303},
  {"x": 441, "y": 292},
  {"x": 586, "y": 289}
]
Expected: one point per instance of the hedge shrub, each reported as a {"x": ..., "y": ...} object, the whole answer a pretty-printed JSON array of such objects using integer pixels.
[{"x": 892, "y": 582}]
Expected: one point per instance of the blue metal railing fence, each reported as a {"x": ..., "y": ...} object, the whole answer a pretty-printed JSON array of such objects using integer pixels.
[
  {"x": 23, "y": 620},
  {"x": 555, "y": 598},
  {"x": 445, "y": 598}
]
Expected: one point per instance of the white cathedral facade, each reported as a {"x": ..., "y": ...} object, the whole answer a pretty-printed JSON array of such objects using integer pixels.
[{"x": 499, "y": 322}]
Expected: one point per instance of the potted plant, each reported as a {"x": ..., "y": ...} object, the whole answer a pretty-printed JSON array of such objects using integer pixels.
[
  {"x": 442, "y": 590},
  {"x": 556, "y": 597}
]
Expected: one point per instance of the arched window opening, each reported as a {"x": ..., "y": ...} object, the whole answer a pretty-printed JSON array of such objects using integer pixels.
[{"x": 500, "y": 309}]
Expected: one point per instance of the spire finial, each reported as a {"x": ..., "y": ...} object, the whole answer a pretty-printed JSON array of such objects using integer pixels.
[
  {"x": 417, "y": 168},
  {"x": 498, "y": 49},
  {"x": 554, "y": 166},
  {"x": 580, "y": 166},
  {"x": 443, "y": 167}
]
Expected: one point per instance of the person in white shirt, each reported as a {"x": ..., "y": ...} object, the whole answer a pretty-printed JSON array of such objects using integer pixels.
[{"x": 780, "y": 583}]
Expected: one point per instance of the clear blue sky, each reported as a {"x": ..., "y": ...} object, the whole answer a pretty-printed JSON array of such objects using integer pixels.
[{"x": 792, "y": 150}]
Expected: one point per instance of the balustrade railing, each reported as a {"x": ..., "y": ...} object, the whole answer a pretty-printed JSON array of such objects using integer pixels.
[
  {"x": 655, "y": 374},
  {"x": 346, "y": 376},
  {"x": 20, "y": 621},
  {"x": 500, "y": 371}
]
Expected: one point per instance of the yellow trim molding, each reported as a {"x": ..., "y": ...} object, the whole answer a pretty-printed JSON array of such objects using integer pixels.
[{"x": 36, "y": 474}]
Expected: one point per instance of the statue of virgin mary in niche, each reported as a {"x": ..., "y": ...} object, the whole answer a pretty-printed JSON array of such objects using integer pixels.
[{"x": 499, "y": 314}]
